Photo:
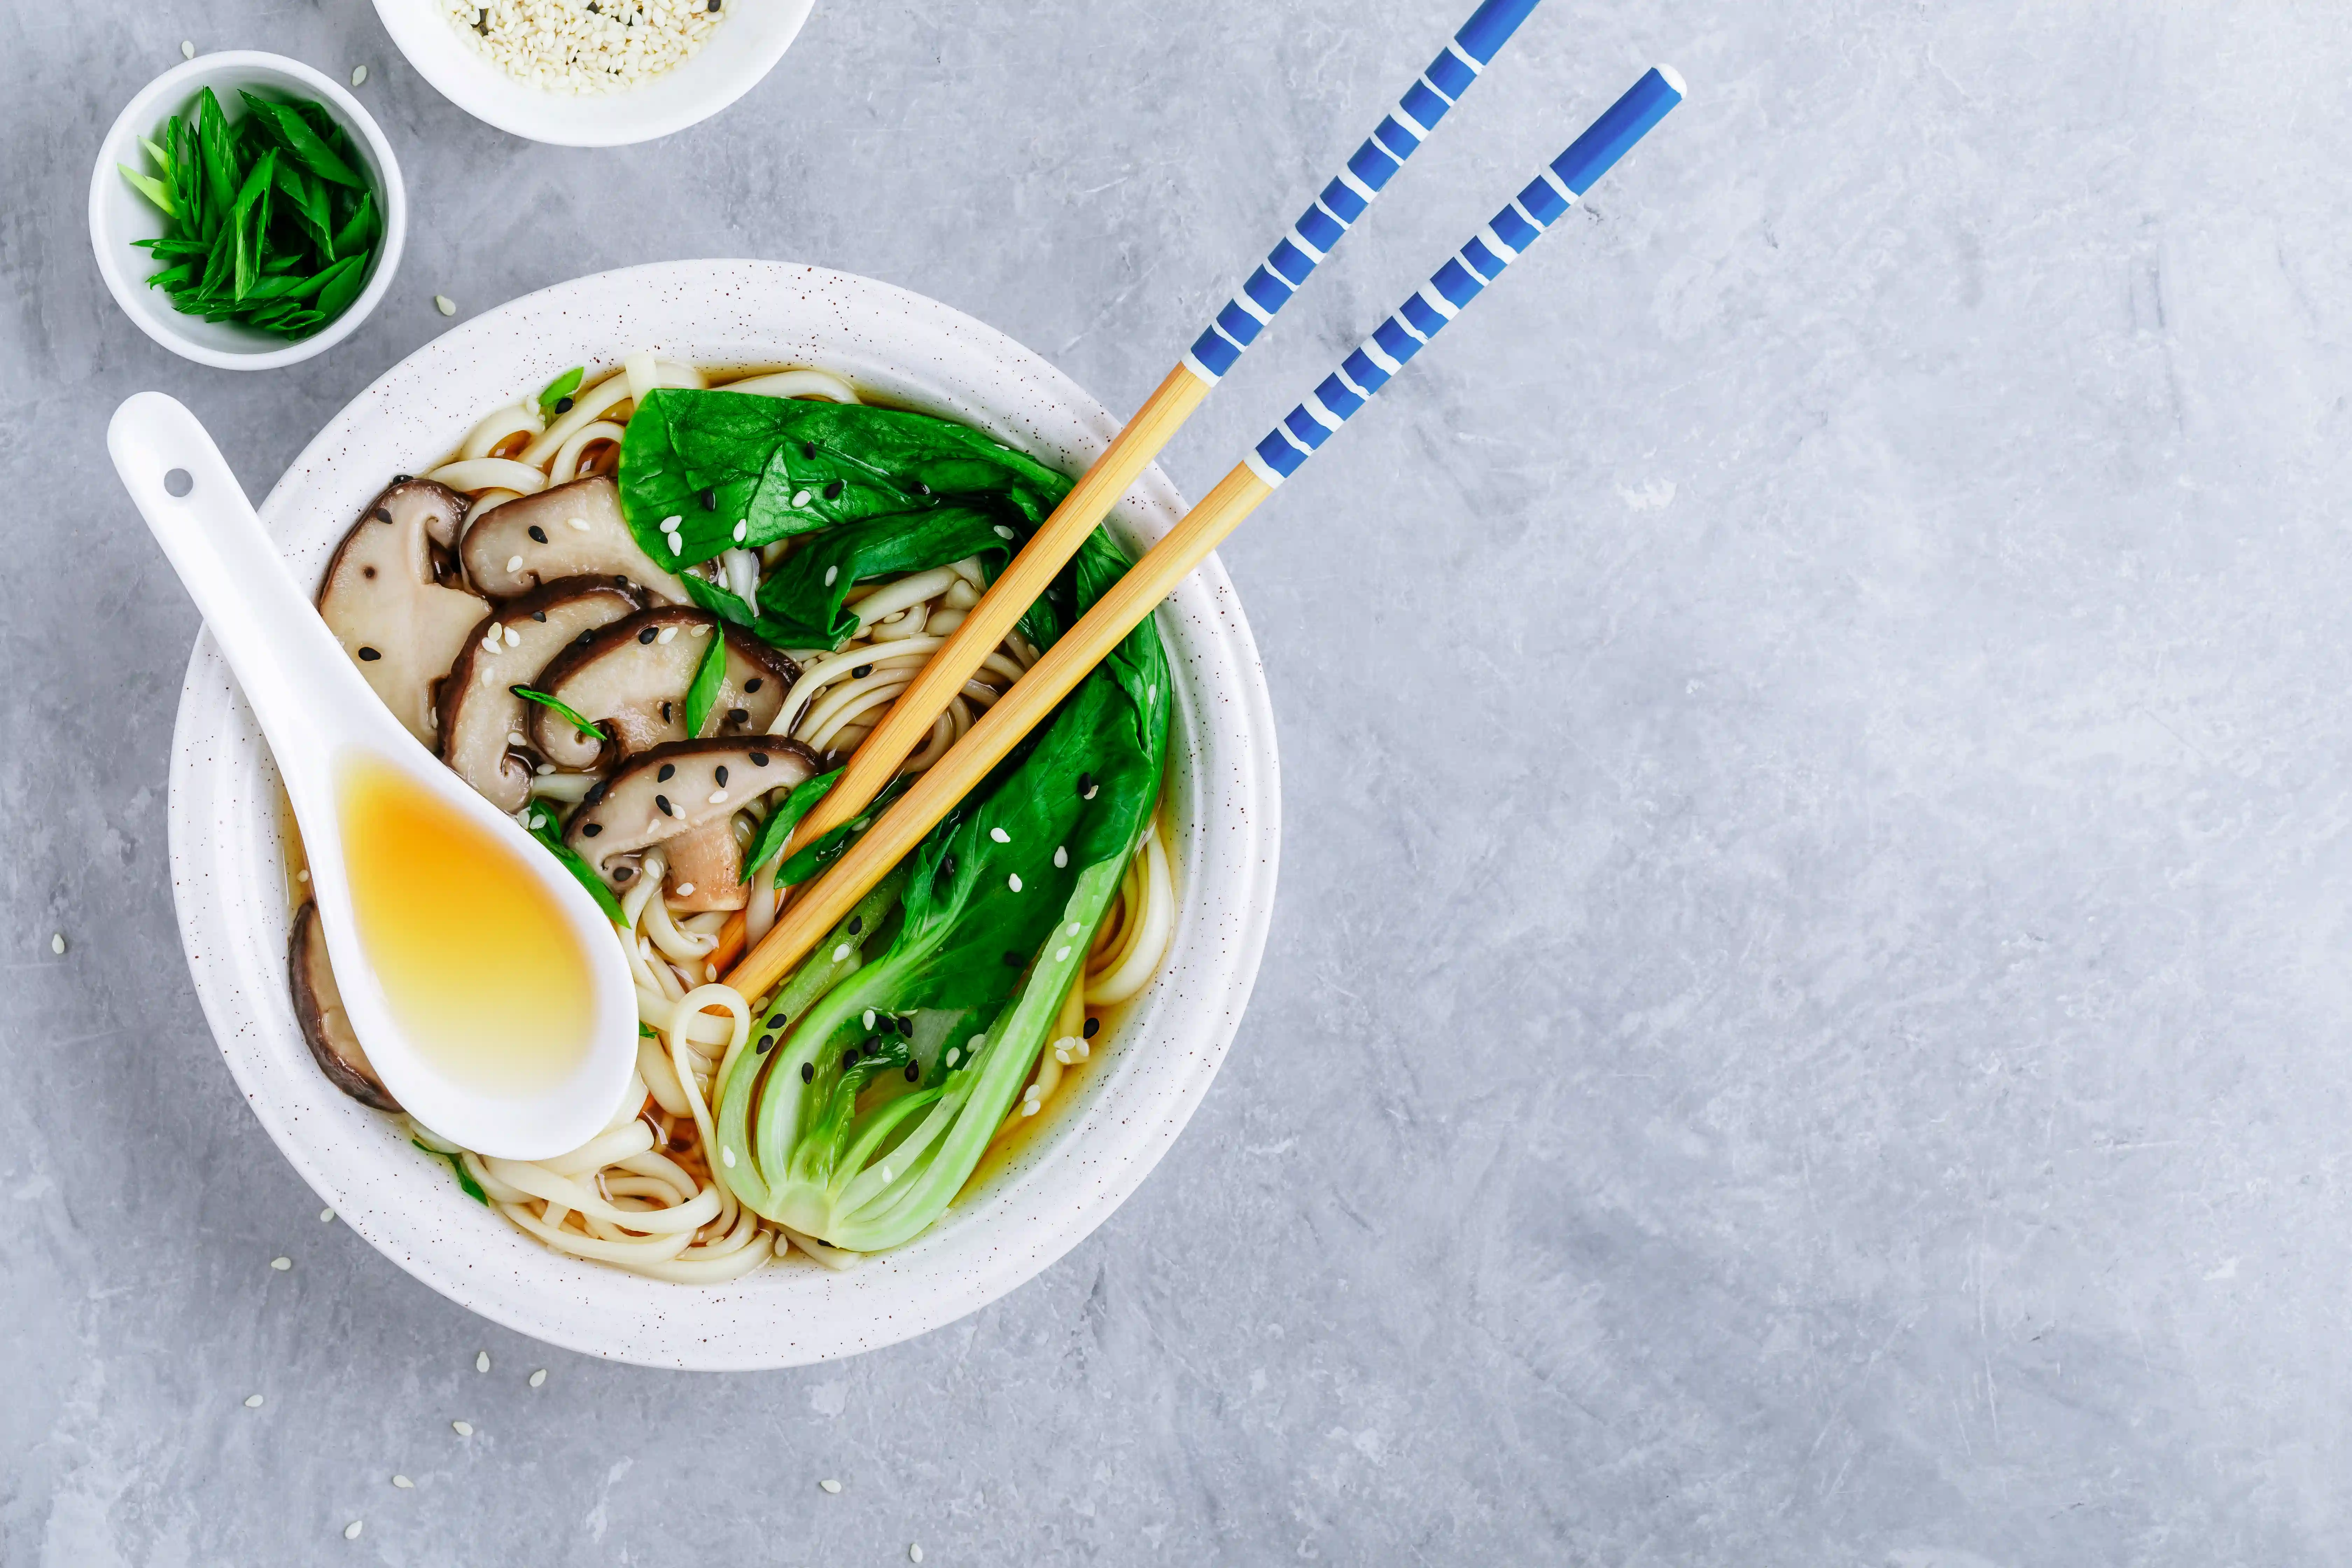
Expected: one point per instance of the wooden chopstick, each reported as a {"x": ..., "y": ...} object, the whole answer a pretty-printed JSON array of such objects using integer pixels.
[
  {"x": 1556, "y": 189},
  {"x": 1287, "y": 265}
]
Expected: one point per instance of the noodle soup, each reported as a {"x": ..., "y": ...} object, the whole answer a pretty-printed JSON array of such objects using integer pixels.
[{"x": 649, "y": 616}]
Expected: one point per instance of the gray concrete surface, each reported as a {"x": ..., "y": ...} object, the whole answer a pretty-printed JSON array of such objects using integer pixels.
[{"x": 1806, "y": 1019}]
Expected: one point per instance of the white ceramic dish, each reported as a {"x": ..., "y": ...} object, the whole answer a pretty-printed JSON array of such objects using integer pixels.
[
  {"x": 749, "y": 42},
  {"x": 119, "y": 215},
  {"x": 229, "y": 872}
]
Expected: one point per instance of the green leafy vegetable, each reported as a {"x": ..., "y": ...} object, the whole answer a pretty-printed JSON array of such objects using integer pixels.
[
  {"x": 270, "y": 222},
  {"x": 472, "y": 1188},
  {"x": 702, "y": 692},
  {"x": 540, "y": 824},
  {"x": 784, "y": 466},
  {"x": 562, "y": 387},
  {"x": 777, "y": 827},
  {"x": 562, "y": 710},
  {"x": 993, "y": 917},
  {"x": 833, "y": 842},
  {"x": 805, "y": 595}
]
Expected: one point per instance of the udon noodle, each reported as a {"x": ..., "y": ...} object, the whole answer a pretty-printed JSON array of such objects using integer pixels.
[{"x": 643, "y": 1195}]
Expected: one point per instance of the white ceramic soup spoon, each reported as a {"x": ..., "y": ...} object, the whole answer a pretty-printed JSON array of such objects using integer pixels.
[{"x": 483, "y": 981}]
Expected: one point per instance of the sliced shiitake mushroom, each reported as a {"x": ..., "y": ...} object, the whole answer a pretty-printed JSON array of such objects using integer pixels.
[
  {"x": 325, "y": 1025},
  {"x": 385, "y": 604},
  {"x": 632, "y": 676},
  {"x": 484, "y": 725},
  {"x": 683, "y": 796},
  {"x": 571, "y": 530}
]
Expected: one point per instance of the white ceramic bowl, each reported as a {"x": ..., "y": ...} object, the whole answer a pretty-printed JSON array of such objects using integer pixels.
[
  {"x": 750, "y": 40},
  {"x": 119, "y": 215},
  {"x": 229, "y": 872}
]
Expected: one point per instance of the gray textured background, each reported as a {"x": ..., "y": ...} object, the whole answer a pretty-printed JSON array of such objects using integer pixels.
[{"x": 1804, "y": 1023}]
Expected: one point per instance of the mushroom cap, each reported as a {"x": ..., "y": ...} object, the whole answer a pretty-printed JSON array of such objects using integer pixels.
[
  {"x": 479, "y": 711},
  {"x": 384, "y": 601},
  {"x": 630, "y": 676},
  {"x": 319, "y": 1005},
  {"x": 684, "y": 795},
  {"x": 572, "y": 530}
]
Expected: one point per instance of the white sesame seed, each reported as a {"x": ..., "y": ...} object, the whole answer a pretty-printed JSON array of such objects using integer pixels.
[
  {"x": 869, "y": 1020},
  {"x": 743, "y": 530},
  {"x": 579, "y": 522},
  {"x": 281, "y": 1264},
  {"x": 1029, "y": 1108},
  {"x": 727, "y": 1156},
  {"x": 514, "y": 637},
  {"x": 351, "y": 1530},
  {"x": 58, "y": 942},
  {"x": 482, "y": 1360},
  {"x": 954, "y": 1055},
  {"x": 667, "y": 634},
  {"x": 463, "y": 1428},
  {"x": 1013, "y": 881},
  {"x": 303, "y": 874},
  {"x": 446, "y": 305},
  {"x": 515, "y": 737},
  {"x": 1062, "y": 954},
  {"x": 359, "y": 76},
  {"x": 800, "y": 498},
  {"x": 1060, "y": 855},
  {"x": 1062, "y": 1055},
  {"x": 566, "y": 48},
  {"x": 188, "y": 48},
  {"x": 514, "y": 562},
  {"x": 975, "y": 1042},
  {"x": 999, "y": 835},
  {"x": 841, "y": 953},
  {"x": 1085, "y": 1050},
  {"x": 915, "y": 1554},
  {"x": 830, "y": 1485},
  {"x": 544, "y": 768},
  {"x": 1151, "y": 693},
  {"x": 1003, "y": 532},
  {"x": 832, "y": 573},
  {"x": 1072, "y": 928},
  {"x": 253, "y": 1402},
  {"x": 538, "y": 1378},
  {"x": 326, "y": 1216},
  {"x": 1034, "y": 1092},
  {"x": 702, "y": 631},
  {"x": 669, "y": 524},
  {"x": 404, "y": 1483},
  {"x": 685, "y": 890},
  {"x": 1092, "y": 792}
]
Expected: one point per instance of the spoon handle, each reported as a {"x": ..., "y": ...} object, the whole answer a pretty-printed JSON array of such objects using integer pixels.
[{"x": 292, "y": 672}]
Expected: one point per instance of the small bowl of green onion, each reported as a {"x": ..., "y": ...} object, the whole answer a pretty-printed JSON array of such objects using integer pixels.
[{"x": 245, "y": 211}]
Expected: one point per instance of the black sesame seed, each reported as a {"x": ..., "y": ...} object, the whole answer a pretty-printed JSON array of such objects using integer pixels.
[
  {"x": 663, "y": 801},
  {"x": 539, "y": 615},
  {"x": 665, "y": 712},
  {"x": 648, "y": 635},
  {"x": 921, "y": 489},
  {"x": 907, "y": 1025},
  {"x": 382, "y": 514},
  {"x": 808, "y": 1072},
  {"x": 759, "y": 758},
  {"x": 721, "y": 774},
  {"x": 402, "y": 479},
  {"x": 752, "y": 684},
  {"x": 914, "y": 1069},
  {"x": 873, "y": 1047},
  {"x": 367, "y": 570},
  {"x": 1013, "y": 960},
  {"x": 767, "y": 1040},
  {"x": 595, "y": 795},
  {"x": 808, "y": 448},
  {"x": 833, "y": 491},
  {"x": 1092, "y": 1025},
  {"x": 946, "y": 867},
  {"x": 623, "y": 873},
  {"x": 590, "y": 829},
  {"x": 739, "y": 715},
  {"x": 563, "y": 404},
  {"x": 714, "y": 5},
  {"x": 710, "y": 499},
  {"x": 668, "y": 772},
  {"x": 584, "y": 639},
  {"x": 370, "y": 655},
  {"x": 857, "y": 924},
  {"x": 537, "y": 533},
  {"x": 861, "y": 672},
  {"x": 849, "y": 1058}
]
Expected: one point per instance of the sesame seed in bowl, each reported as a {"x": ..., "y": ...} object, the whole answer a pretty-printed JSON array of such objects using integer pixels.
[{"x": 593, "y": 73}]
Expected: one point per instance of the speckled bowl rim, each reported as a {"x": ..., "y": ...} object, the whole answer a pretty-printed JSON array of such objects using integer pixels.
[{"x": 229, "y": 868}]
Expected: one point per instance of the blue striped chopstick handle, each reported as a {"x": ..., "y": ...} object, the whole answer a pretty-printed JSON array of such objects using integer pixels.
[
  {"x": 1548, "y": 198},
  {"x": 1343, "y": 201}
]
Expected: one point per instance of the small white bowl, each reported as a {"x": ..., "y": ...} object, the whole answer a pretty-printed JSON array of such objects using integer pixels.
[
  {"x": 119, "y": 215},
  {"x": 752, "y": 37},
  {"x": 1152, "y": 1066}
]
